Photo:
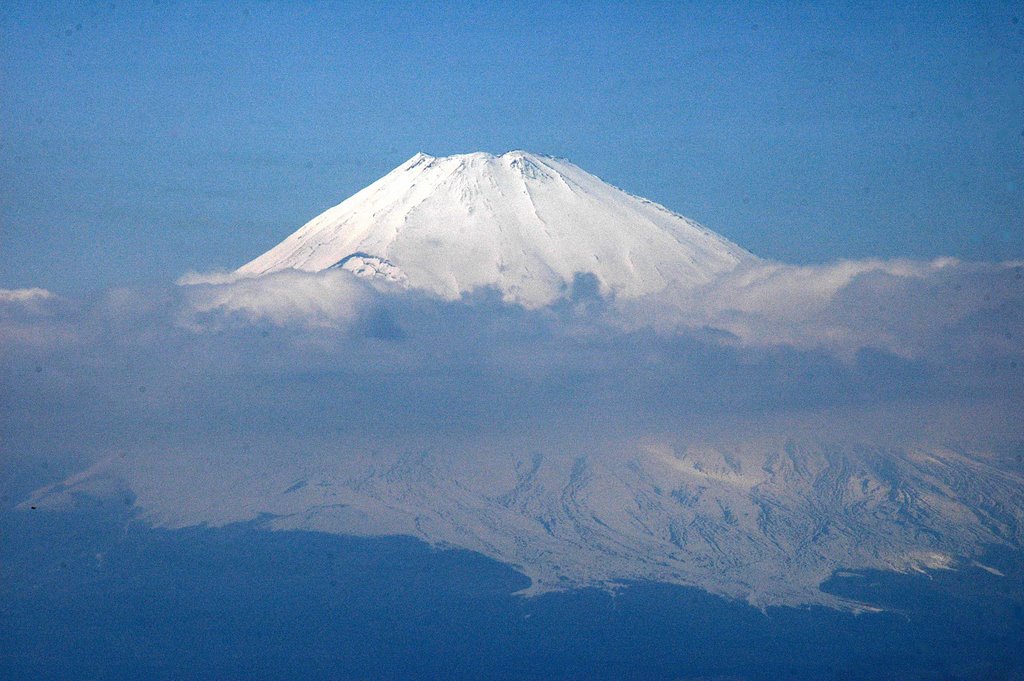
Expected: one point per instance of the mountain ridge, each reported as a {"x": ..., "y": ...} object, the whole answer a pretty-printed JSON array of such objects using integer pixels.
[{"x": 764, "y": 524}]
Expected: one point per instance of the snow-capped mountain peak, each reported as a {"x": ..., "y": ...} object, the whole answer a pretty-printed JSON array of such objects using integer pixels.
[{"x": 523, "y": 223}]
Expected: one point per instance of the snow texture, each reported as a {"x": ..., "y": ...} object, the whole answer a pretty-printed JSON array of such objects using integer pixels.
[
  {"x": 522, "y": 223},
  {"x": 766, "y": 523}
]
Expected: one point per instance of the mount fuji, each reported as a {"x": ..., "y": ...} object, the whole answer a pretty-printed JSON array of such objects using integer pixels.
[
  {"x": 588, "y": 495},
  {"x": 522, "y": 223}
]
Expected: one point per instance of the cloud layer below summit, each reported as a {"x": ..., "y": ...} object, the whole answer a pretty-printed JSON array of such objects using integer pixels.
[
  {"x": 773, "y": 337},
  {"x": 396, "y": 411}
]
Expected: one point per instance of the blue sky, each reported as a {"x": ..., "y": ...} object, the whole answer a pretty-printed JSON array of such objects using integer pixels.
[{"x": 140, "y": 141}]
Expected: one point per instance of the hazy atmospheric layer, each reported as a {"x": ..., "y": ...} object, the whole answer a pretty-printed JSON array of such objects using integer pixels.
[{"x": 739, "y": 425}]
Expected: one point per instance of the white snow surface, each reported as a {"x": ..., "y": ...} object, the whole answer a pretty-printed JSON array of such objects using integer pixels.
[
  {"x": 767, "y": 523},
  {"x": 522, "y": 223}
]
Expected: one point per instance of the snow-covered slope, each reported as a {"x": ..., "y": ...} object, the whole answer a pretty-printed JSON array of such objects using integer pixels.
[
  {"x": 763, "y": 523},
  {"x": 523, "y": 223}
]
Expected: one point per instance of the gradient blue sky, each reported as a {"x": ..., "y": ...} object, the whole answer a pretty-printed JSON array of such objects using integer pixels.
[{"x": 141, "y": 140}]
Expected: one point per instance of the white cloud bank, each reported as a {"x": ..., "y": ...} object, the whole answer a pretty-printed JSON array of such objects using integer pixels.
[
  {"x": 748, "y": 437},
  {"x": 330, "y": 298},
  {"x": 907, "y": 308}
]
